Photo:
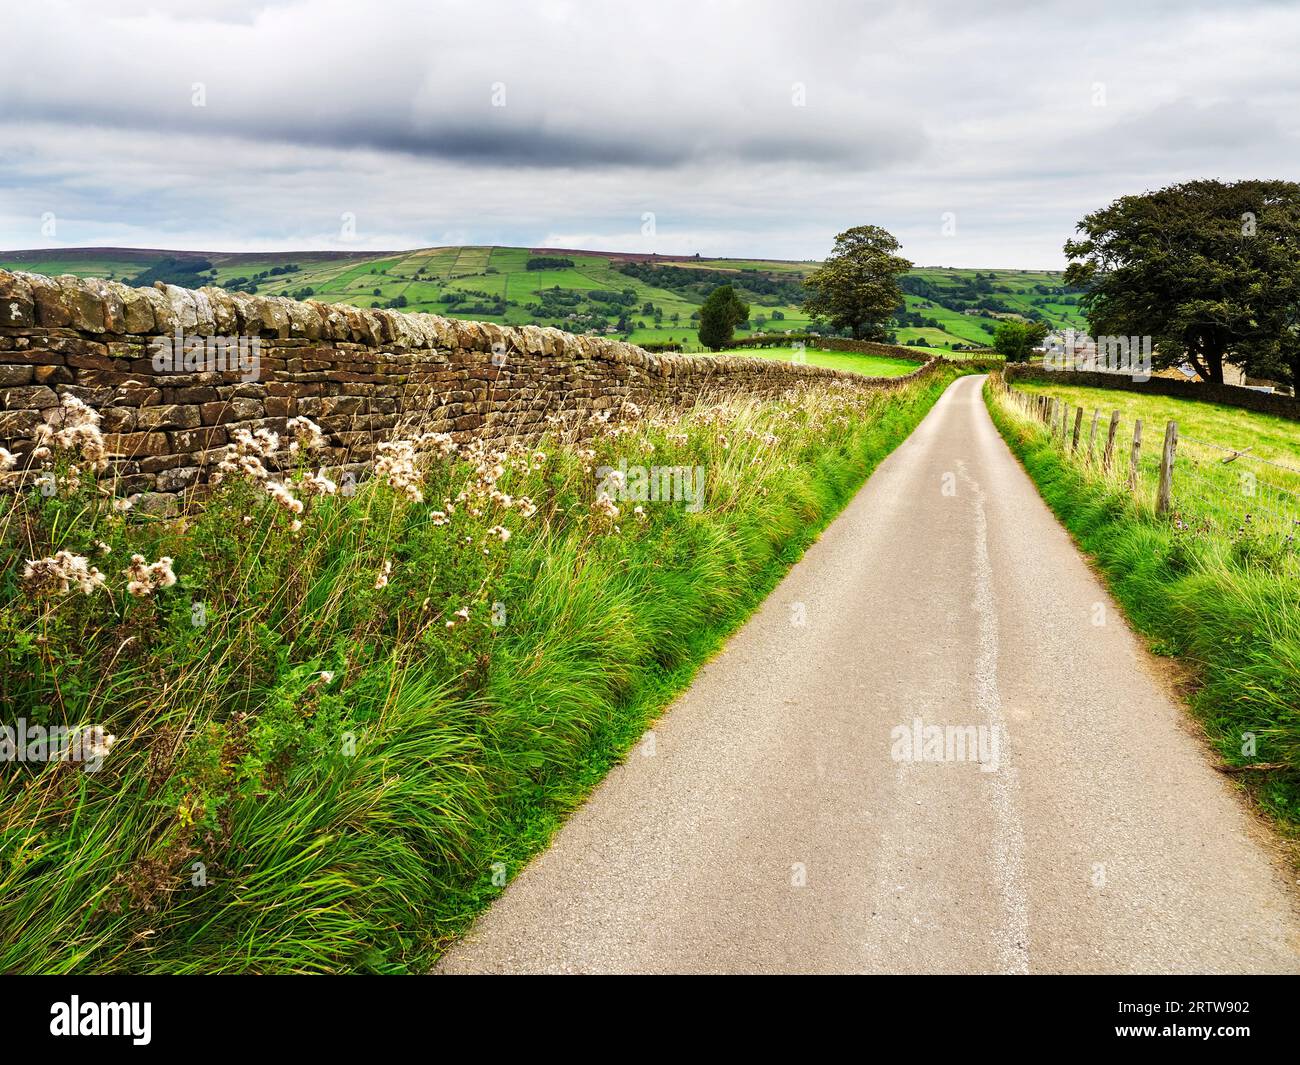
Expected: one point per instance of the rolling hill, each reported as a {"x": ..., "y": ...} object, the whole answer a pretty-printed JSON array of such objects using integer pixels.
[{"x": 646, "y": 298}]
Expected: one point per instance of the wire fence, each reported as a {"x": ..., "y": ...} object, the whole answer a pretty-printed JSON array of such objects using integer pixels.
[{"x": 1197, "y": 483}]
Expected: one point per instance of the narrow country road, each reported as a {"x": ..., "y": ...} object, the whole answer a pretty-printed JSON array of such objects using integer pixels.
[{"x": 772, "y": 822}]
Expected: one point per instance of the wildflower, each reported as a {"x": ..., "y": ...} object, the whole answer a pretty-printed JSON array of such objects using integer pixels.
[
  {"x": 100, "y": 745},
  {"x": 267, "y": 440},
  {"x": 61, "y": 571},
  {"x": 527, "y": 508},
  {"x": 281, "y": 493},
  {"x": 144, "y": 578},
  {"x": 79, "y": 430},
  {"x": 500, "y": 532},
  {"x": 307, "y": 434},
  {"x": 438, "y": 518},
  {"x": 462, "y": 614},
  {"x": 103, "y": 548},
  {"x": 326, "y": 677},
  {"x": 8, "y": 460},
  {"x": 382, "y": 580},
  {"x": 604, "y": 506},
  {"x": 92, "y": 745},
  {"x": 444, "y": 443},
  {"x": 640, "y": 513},
  {"x": 396, "y": 464},
  {"x": 245, "y": 455},
  {"x": 317, "y": 484},
  {"x": 295, "y": 525},
  {"x": 122, "y": 505}
]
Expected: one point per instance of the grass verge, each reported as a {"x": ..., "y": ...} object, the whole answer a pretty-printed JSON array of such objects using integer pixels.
[{"x": 335, "y": 720}]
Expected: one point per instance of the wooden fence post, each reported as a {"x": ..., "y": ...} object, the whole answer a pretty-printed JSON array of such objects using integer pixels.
[
  {"x": 1133, "y": 458},
  {"x": 1078, "y": 425},
  {"x": 1110, "y": 441},
  {"x": 1165, "y": 490},
  {"x": 1092, "y": 437}
]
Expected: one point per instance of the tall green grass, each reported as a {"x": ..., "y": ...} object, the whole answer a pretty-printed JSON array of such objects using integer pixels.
[
  {"x": 1226, "y": 602},
  {"x": 316, "y": 773}
]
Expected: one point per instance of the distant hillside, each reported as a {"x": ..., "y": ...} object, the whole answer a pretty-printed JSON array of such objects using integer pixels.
[{"x": 643, "y": 297}]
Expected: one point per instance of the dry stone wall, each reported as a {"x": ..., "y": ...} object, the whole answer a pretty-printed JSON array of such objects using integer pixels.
[{"x": 144, "y": 359}]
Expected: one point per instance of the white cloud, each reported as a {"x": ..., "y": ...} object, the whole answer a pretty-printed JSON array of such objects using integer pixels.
[{"x": 686, "y": 108}]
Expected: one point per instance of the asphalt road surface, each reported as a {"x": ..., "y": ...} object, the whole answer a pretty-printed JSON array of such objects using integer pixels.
[{"x": 781, "y": 817}]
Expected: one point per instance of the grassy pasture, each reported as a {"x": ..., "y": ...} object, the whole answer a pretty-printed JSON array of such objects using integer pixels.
[
  {"x": 870, "y": 365},
  {"x": 1263, "y": 481}
]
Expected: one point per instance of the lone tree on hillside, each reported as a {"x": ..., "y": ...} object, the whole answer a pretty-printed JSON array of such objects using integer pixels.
[
  {"x": 721, "y": 312},
  {"x": 856, "y": 288},
  {"x": 1016, "y": 340},
  {"x": 1209, "y": 270}
]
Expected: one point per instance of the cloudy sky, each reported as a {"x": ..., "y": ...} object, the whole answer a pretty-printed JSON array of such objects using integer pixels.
[{"x": 978, "y": 133}]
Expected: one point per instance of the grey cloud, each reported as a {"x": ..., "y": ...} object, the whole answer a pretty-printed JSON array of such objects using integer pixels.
[{"x": 684, "y": 108}]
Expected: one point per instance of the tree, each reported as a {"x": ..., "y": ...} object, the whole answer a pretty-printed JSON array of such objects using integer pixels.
[
  {"x": 1209, "y": 270},
  {"x": 857, "y": 288},
  {"x": 1016, "y": 340},
  {"x": 720, "y": 313}
]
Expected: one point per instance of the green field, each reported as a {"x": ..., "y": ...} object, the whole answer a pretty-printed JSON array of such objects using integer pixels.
[
  {"x": 493, "y": 284},
  {"x": 1229, "y": 462},
  {"x": 871, "y": 365}
]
